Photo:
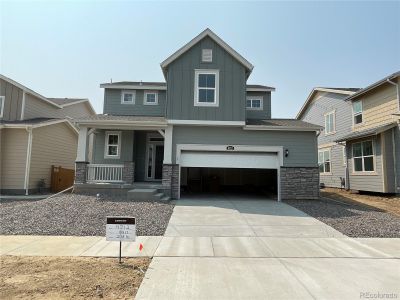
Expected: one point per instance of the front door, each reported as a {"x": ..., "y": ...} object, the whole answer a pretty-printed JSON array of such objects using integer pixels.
[{"x": 155, "y": 157}]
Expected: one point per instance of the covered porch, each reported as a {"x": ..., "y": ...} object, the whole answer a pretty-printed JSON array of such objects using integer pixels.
[{"x": 122, "y": 152}]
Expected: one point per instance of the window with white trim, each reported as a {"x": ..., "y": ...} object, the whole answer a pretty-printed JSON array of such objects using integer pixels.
[
  {"x": 128, "y": 97},
  {"x": 206, "y": 55},
  {"x": 206, "y": 87},
  {"x": 254, "y": 103},
  {"x": 112, "y": 144},
  {"x": 330, "y": 123},
  {"x": 150, "y": 98},
  {"x": 2, "y": 101},
  {"x": 357, "y": 112},
  {"x": 363, "y": 156},
  {"x": 324, "y": 161}
]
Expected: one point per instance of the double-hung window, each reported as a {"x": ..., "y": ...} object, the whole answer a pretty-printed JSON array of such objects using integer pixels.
[
  {"x": 363, "y": 156},
  {"x": 357, "y": 112},
  {"x": 330, "y": 123},
  {"x": 2, "y": 100},
  {"x": 150, "y": 98},
  {"x": 113, "y": 144},
  {"x": 206, "y": 88},
  {"x": 128, "y": 97},
  {"x": 324, "y": 161},
  {"x": 254, "y": 103}
]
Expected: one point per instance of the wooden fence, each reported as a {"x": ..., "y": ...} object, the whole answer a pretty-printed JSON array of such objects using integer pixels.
[{"x": 61, "y": 178}]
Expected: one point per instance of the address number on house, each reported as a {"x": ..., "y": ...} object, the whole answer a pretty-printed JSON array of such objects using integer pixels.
[{"x": 121, "y": 229}]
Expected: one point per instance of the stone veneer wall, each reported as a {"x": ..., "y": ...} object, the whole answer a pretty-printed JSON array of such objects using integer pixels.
[
  {"x": 299, "y": 183},
  {"x": 128, "y": 172},
  {"x": 80, "y": 171},
  {"x": 170, "y": 180}
]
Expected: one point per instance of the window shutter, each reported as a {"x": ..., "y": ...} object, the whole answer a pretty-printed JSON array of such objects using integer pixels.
[{"x": 206, "y": 55}]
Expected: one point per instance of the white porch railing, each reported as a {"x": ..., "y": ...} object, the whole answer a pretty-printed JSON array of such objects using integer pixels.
[{"x": 104, "y": 173}]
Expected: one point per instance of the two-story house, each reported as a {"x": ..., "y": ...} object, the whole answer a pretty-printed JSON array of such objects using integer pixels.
[
  {"x": 35, "y": 133},
  {"x": 361, "y": 139},
  {"x": 204, "y": 129}
]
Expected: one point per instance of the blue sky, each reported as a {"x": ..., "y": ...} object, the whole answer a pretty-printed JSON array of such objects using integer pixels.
[{"x": 66, "y": 49}]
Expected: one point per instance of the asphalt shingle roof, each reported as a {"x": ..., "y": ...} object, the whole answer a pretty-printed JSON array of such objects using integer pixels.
[
  {"x": 366, "y": 132},
  {"x": 155, "y": 83},
  {"x": 105, "y": 117},
  {"x": 281, "y": 123},
  {"x": 34, "y": 121},
  {"x": 342, "y": 89},
  {"x": 62, "y": 101}
]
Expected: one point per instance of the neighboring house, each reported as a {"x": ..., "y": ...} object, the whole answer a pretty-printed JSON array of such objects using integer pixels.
[
  {"x": 204, "y": 129},
  {"x": 365, "y": 125},
  {"x": 35, "y": 133}
]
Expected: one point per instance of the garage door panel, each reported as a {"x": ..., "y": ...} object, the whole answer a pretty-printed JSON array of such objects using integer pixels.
[{"x": 249, "y": 160}]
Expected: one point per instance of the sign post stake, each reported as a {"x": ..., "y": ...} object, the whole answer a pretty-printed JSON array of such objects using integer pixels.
[{"x": 120, "y": 247}]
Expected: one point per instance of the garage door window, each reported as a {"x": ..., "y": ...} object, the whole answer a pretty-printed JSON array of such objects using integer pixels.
[{"x": 324, "y": 161}]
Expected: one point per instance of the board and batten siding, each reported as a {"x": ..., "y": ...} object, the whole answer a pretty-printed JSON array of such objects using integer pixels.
[
  {"x": 126, "y": 155},
  {"x": 302, "y": 146},
  {"x": 265, "y": 113},
  {"x": 13, "y": 146},
  {"x": 113, "y": 105},
  {"x": 180, "y": 85},
  {"x": 37, "y": 108},
  {"x": 379, "y": 105},
  {"x": 13, "y": 101},
  {"x": 374, "y": 181},
  {"x": 322, "y": 104},
  {"x": 51, "y": 145}
]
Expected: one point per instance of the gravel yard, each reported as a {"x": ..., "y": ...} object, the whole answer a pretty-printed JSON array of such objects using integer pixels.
[
  {"x": 351, "y": 220},
  {"x": 80, "y": 215}
]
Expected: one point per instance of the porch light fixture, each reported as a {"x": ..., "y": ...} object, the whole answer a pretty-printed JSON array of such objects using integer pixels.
[{"x": 286, "y": 152}]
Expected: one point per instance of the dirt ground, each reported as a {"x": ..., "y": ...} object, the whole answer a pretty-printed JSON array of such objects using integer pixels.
[
  {"x": 388, "y": 203},
  {"x": 67, "y": 277}
]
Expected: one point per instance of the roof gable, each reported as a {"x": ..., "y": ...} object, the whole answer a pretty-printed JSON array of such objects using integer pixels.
[
  {"x": 343, "y": 91},
  {"x": 216, "y": 39}
]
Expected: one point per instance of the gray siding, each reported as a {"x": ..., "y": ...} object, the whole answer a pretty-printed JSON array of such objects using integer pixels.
[
  {"x": 388, "y": 162},
  {"x": 140, "y": 154},
  {"x": 373, "y": 182},
  {"x": 180, "y": 84},
  {"x": 397, "y": 155},
  {"x": 302, "y": 146},
  {"x": 265, "y": 113},
  {"x": 113, "y": 106},
  {"x": 13, "y": 101},
  {"x": 126, "y": 148},
  {"x": 324, "y": 103}
]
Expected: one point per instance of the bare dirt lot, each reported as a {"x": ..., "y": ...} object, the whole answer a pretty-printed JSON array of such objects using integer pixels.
[
  {"x": 388, "y": 203},
  {"x": 67, "y": 278}
]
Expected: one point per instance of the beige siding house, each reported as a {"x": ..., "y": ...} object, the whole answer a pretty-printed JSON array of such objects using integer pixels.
[{"x": 35, "y": 133}]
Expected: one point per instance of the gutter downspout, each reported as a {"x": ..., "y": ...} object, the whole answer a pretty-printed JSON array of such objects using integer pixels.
[
  {"x": 398, "y": 97},
  {"x": 28, "y": 159}
]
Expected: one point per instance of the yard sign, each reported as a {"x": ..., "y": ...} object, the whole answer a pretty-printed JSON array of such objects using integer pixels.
[{"x": 121, "y": 229}]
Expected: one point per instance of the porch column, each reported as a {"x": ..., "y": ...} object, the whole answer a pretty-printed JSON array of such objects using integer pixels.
[
  {"x": 168, "y": 145},
  {"x": 170, "y": 180},
  {"x": 82, "y": 156}
]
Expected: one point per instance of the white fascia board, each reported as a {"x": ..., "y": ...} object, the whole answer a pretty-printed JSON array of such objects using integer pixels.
[
  {"x": 344, "y": 92},
  {"x": 27, "y": 90},
  {"x": 280, "y": 128},
  {"x": 112, "y": 124},
  {"x": 217, "y": 39},
  {"x": 260, "y": 90},
  {"x": 206, "y": 123},
  {"x": 133, "y": 87},
  {"x": 43, "y": 124}
]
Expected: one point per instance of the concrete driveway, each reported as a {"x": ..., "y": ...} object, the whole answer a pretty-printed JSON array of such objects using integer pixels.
[{"x": 232, "y": 247}]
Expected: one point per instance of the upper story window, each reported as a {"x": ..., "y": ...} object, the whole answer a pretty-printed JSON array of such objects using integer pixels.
[
  {"x": 357, "y": 112},
  {"x": 206, "y": 87},
  {"x": 2, "y": 100},
  {"x": 363, "y": 156},
  {"x": 254, "y": 103},
  {"x": 128, "y": 97},
  {"x": 324, "y": 160},
  {"x": 150, "y": 98},
  {"x": 112, "y": 147},
  {"x": 330, "y": 123},
  {"x": 206, "y": 55}
]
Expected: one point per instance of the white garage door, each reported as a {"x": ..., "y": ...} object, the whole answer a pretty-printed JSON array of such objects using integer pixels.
[{"x": 248, "y": 160}]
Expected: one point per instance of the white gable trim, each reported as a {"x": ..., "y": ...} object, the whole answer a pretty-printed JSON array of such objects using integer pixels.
[{"x": 217, "y": 39}]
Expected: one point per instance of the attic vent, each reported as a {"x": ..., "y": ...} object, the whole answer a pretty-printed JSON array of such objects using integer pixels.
[{"x": 206, "y": 55}]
